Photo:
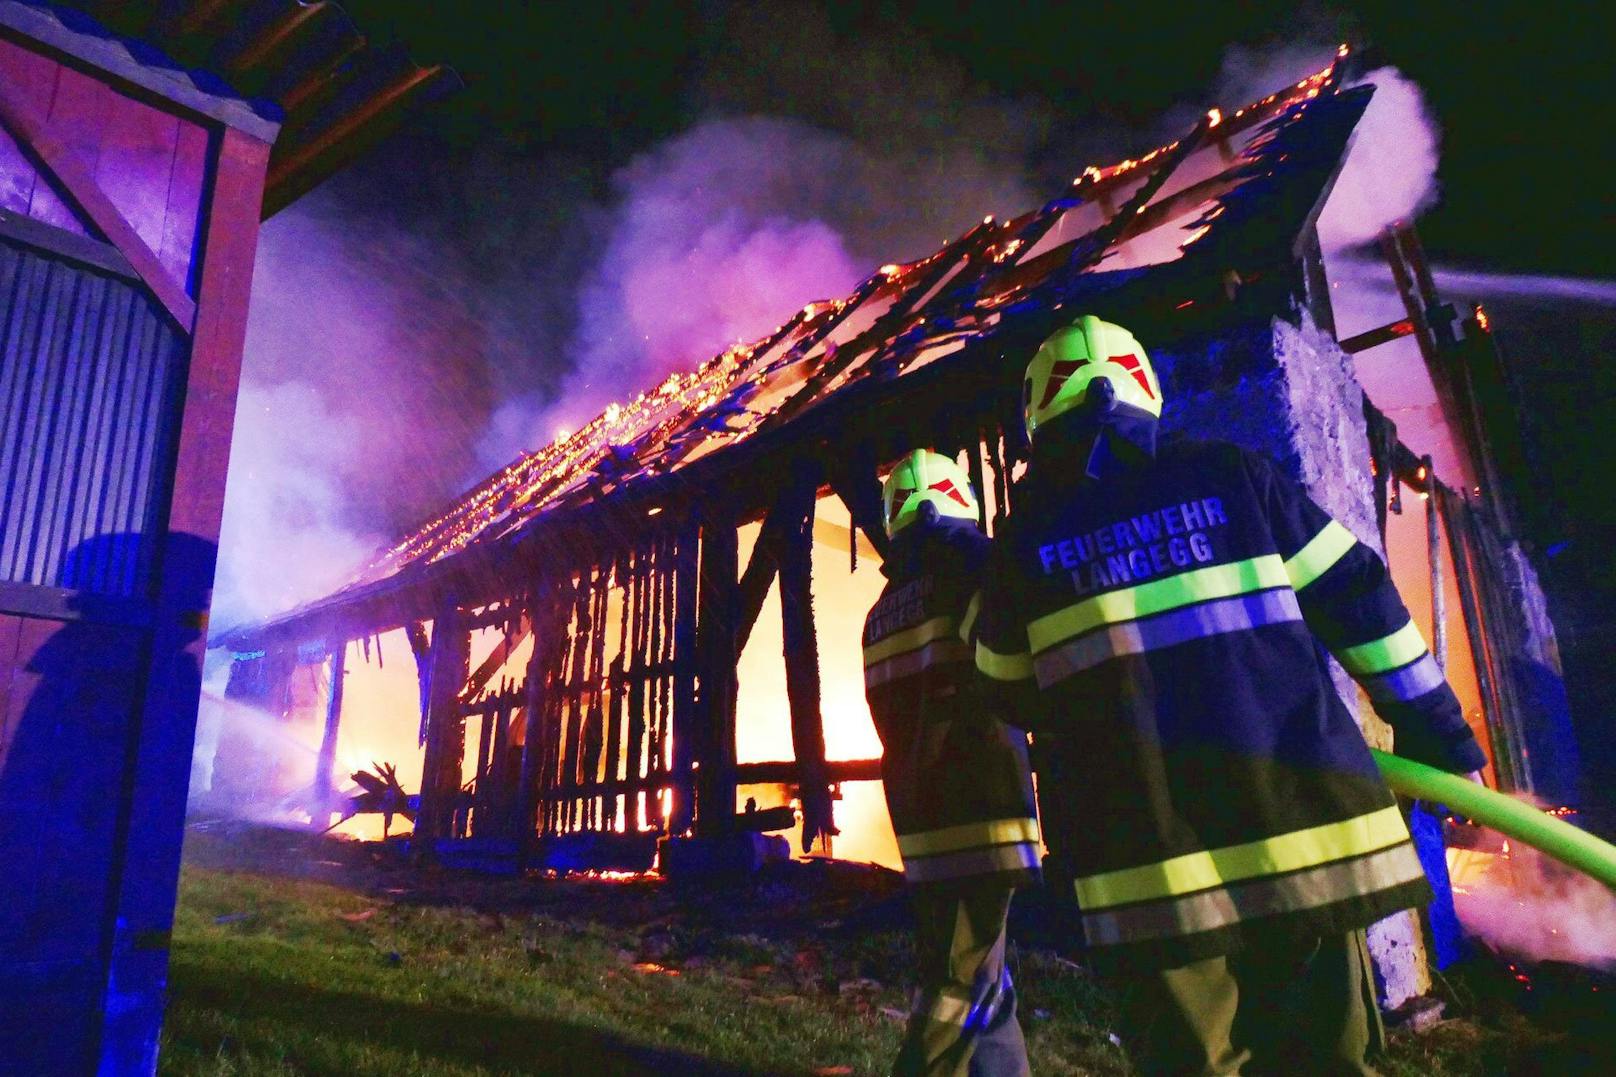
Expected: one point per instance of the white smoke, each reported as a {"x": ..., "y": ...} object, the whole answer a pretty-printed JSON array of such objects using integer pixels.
[
  {"x": 1529, "y": 906},
  {"x": 286, "y": 537},
  {"x": 1390, "y": 173},
  {"x": 337, "y": 367}
]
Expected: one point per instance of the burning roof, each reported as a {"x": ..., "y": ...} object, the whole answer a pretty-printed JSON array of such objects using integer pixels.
[{"x": 1191, "y": 202}]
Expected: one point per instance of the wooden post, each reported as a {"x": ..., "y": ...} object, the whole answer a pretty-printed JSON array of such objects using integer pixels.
[
  {"x": 1433, "y": 553},
  {"x": 320, "y": 805},
  {"x": 617, "y": 711},
  {"x": 572, "y": 700},
  {"x": 449, "y": 663},
  {"x": 545, "y": 614},
  {"x": 687, "y": 742},
  {"x": 718, "y": 684},
  {"x": 801, "y": 657},
  {"x": 145, "y": 877},
  {"x": 1452, "y": 510}
]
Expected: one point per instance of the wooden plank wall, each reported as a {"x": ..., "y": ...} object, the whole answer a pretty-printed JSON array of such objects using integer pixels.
[{"x": 150, "y": 163}]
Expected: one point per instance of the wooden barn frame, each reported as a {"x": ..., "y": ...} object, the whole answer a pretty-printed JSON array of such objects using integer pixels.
[{"x": 622, "y": 539}]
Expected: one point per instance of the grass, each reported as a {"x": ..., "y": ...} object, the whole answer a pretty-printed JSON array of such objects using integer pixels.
[{"x": 275, "y": 976}]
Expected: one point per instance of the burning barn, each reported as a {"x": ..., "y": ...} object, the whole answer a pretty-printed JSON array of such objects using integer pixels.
[{"x": 645, "y": 629}]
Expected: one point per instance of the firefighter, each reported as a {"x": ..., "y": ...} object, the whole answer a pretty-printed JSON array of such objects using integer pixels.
[
  {"x": 957, "y": 784},
  {"x": 1227, "y": 832}
]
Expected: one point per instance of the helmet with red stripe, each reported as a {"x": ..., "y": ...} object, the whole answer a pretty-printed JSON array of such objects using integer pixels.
[
  {"x": 926, "y": 478},
  {"x": 1070, "y": 363}
]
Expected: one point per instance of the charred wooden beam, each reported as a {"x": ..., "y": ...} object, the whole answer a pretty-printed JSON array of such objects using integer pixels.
[
  {"x": 784, "y": 772},
  {"x": 1373, "y": 338},
  {"x": 545, "y": 613},
  {"x": 685, "y": 663},
  {"x": 1433, "y": 556},
  {"x": 415, "y": 632},
  {"x": 325, "y": 762},
  {"x": 717, "y": 655},
  {"x": 860, "y": 491},
  {"x": 801, "y": 648},
  {"x": 759, "y": 575},
  {"x": 449, "y": 662}
]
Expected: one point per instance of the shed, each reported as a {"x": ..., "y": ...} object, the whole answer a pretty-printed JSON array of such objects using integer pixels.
[{"x": 131, "y": 190}]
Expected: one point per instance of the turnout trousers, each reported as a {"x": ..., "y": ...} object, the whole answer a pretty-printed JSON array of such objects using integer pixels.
[
  {"x": 963, "y": 1023},
  {"x": 1284, "y": 1006}
]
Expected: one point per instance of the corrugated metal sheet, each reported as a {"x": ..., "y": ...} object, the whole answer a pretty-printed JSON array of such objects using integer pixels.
[{"x": 90, "y": 371}]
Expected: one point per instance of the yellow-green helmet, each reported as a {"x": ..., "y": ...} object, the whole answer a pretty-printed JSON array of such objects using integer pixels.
[
  {"x": 1058, "y": 376},
  {"x": 925, "y": 477}
]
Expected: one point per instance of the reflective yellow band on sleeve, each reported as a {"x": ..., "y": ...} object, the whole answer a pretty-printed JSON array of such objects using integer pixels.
[
  {"x": 968, "y": 622},
  {"x": 1003, "y": 667},
  {"x": 908, "y": 639},
  {"x": 967, "y": 836},
  {"x": 1387, "y": 653},
  {"x": 1208, "y": 868},
  {"x": 1157, "y": 596},
  {"x": 944, "y": 1009},
  {"x": 1320, "y": 554}
]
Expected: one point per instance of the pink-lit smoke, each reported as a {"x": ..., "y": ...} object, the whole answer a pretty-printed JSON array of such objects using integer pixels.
[
  {"x": 720, "y": 233},
  {"x": 1527, "y": 905}
]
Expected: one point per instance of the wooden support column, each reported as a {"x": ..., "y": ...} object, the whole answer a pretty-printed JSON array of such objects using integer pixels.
[
  {"x": 801, "y": 648},
  {"x": 323, "y": 790},
  {"x": 1433, "y": 554},
  {"x": 545, "y": 614},
  {"x": 687, "y": 742},
  {"x": 718, "y": 683},
  {"x": 145, "y": 878},
  {"x": 448, "y": 663}
]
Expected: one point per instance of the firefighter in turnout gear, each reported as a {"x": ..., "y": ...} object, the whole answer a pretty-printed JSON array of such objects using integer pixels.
[
  {"x": 957, "y": 783},
  {"x": 1163, "y": 610}
]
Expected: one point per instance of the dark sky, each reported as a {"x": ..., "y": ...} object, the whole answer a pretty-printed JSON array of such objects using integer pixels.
[{"x": 1523, "y": 99}]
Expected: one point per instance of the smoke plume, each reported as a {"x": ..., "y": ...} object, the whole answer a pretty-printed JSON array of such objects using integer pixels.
[
  {"x": 1527, "y": 905},
  {"x": 1390, "y": 173}
]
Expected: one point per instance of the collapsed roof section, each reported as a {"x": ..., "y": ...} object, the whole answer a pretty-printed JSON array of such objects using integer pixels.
[{"x": 1195, "y": 205}]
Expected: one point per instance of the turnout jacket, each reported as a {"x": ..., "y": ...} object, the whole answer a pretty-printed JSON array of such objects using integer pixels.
[
  {"x": 1203, "y": 778},
  {"x": 957, "y": 782}
]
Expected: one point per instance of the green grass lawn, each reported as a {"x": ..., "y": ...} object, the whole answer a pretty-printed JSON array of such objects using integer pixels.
[
  {"x": 280, "y": 976},
  {"x": 273, "y": 976}
]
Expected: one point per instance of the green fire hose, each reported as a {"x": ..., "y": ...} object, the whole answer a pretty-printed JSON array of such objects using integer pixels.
[{"x": 1546, "y": 833}]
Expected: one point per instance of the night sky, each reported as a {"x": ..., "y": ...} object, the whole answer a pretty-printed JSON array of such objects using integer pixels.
[{"x": 1524, "y": 102}]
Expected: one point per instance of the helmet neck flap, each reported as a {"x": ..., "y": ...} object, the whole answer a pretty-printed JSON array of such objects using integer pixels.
[{"x": 1100, "y": 438}]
